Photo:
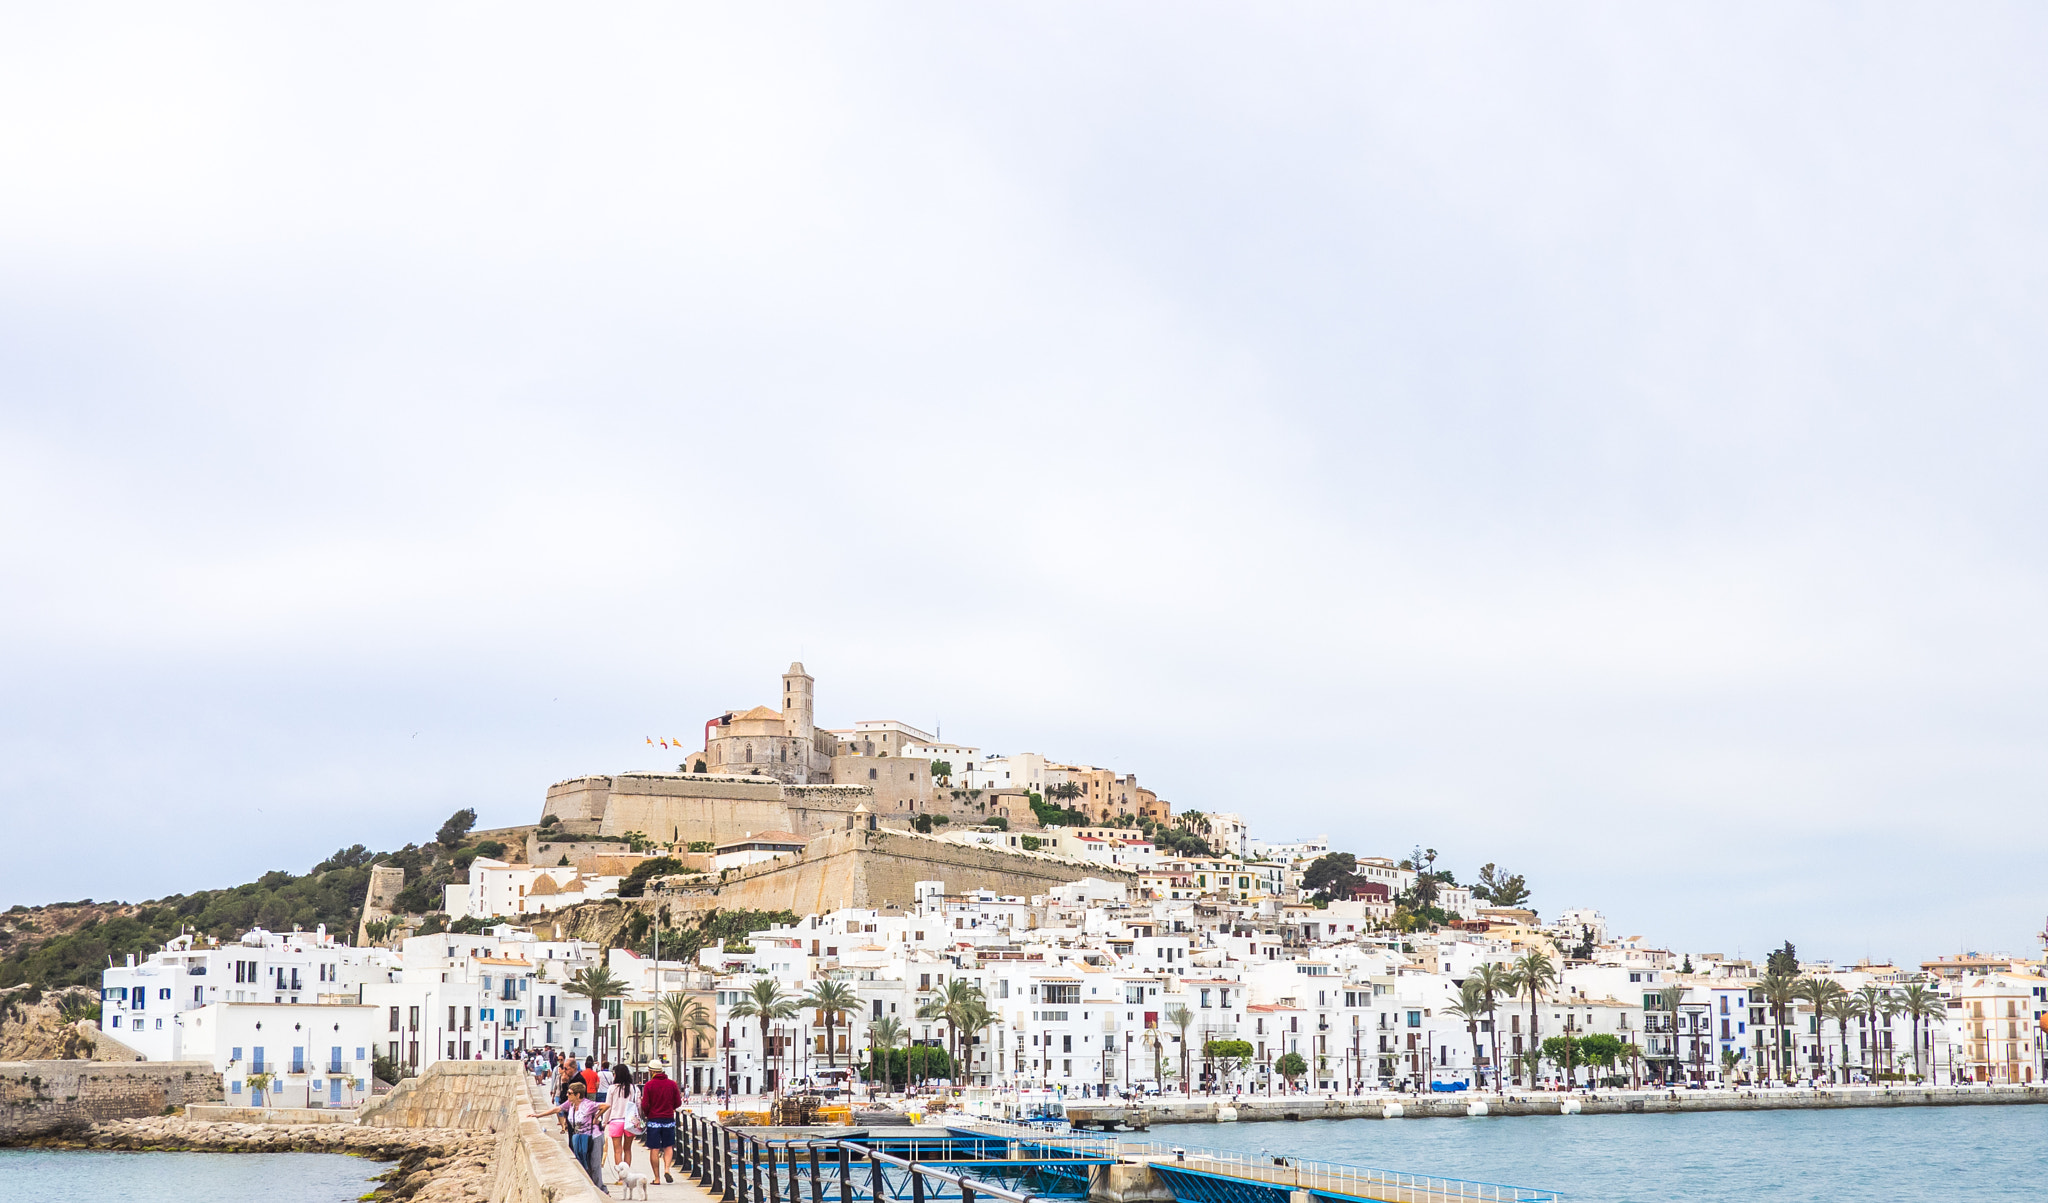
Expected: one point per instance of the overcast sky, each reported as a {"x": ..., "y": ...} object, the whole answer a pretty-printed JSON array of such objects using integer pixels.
[{"x": 1605, "y": 441}]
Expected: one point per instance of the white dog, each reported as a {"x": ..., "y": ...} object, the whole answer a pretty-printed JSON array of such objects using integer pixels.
[{"x": 631, "y": 1180}]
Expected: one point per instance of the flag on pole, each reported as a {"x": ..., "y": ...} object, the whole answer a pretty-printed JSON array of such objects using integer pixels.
[{"x": 650, "y": 741}]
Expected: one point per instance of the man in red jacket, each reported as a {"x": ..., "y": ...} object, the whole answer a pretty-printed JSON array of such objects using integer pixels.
[{"x": 659, "y": 1100}]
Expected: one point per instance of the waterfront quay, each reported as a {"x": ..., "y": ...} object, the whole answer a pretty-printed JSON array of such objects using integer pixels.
[{"x": 1467, "y": 1104}]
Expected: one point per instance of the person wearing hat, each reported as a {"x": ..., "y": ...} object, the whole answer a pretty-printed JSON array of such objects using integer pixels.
[{"x": 585, "y": 1116}]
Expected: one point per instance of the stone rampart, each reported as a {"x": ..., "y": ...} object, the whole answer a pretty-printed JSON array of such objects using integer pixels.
[
  {"x": 49, "y": 1098},
  {"x": 874, "y": 868}
]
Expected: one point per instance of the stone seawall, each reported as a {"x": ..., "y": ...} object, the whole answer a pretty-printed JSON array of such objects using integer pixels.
[
  {"x": 47, "y": 1098},
  {"x": 1618, "y": 1102},
  {"x": 477, "y": 1096}
]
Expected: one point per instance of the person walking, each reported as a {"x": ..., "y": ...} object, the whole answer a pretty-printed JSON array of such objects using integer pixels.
[
  {"x": 624, "y": 1102},
  {"x": 659, "y": 1100},
  {"x": 585, "y": 1117}
]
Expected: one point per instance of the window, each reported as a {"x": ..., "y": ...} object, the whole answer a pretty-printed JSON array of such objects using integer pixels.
[{"x": 871, "y": 774}]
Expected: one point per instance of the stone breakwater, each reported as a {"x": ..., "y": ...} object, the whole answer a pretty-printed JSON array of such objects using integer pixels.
[
  {"x": 42, "y": 1098},
  {"x": 1607, "y": 1102},
  {"x": 434, "y": 1165},
  {"x": 456, "y": 1132}
]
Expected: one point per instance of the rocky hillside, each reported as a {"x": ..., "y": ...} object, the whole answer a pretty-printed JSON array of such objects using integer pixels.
[
  {"x": 54, "y": 1026},
  {"x": 69, "y": 944}
]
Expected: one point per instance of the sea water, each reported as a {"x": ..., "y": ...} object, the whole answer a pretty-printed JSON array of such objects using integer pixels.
[
  {"x": 33, "y": 1175},
  {"x": 1954, "y": 1154}
]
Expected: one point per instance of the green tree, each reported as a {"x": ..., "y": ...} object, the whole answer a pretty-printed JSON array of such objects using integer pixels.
[
  {"x": 1290, "y": 1066},
  {"x": 833, "y": 1002},
  {"x": 1563, "y": 1052},
  {"x": 1845, "y": 1009},
  {"x": 1874, "y": 1007},
  {"x": 598, "y": 984},
  {"x": 1471, "y": 1005},
  {"x": 1917, "y": 1002},
  {"x": 1182, "y": 1018},
  {"x": 686, "y": 1017},
  {"x": 1729, "y": 1060},
  {"x": 456, "y": 827},
  {"x": 951, "y": 1007},
  {"x": 634, "y": 884},
  {"x": 1498, "y": 886},
  {"x": 942, "y": 772},
  {"x": 1821, "y": 994},
  {"x": 1534, "y": 975},
  {"x": 765, "y": 1003},
  {"x": 1495, "y": 983},
  {"x": 1599, "y": 1050},
  {"x": 885, "y": 1036},
  {"x": 1785, "y": 961},
  {"x": 1779, "y": 990},
  {"x": 975, "y": 1018},
  {"x": 1334, "y": 874}
]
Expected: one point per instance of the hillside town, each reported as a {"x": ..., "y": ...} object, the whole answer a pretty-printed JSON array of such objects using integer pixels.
[
  {"x": 1084, "y": 940},
  {"x": 1084, "y": 991}
]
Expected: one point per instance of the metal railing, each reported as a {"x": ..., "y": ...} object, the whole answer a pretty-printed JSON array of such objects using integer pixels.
[
  {"x": 746, "y": 1168},
  {"x": 754, "y": 1169}
]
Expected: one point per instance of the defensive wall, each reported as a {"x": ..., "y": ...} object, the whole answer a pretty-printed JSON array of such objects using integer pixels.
[
  {"x": 878, "y": 867},
  {"x": 49, "y": 1098}
]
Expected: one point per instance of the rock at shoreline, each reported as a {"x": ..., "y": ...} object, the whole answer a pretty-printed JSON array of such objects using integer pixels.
[{"x": 434, "y": 1165}]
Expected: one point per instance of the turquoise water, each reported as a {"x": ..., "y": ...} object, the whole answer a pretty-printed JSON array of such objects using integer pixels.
[
  {"x": 1958, "y": 1154},
  {"x": 37, "y": 1174}
]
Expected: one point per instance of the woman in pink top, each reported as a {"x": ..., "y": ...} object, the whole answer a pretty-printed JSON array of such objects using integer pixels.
[{"x": 586, "y": 1122}]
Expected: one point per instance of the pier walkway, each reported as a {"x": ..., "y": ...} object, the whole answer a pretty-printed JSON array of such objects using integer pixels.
[{"x": 997, "y": 1163}]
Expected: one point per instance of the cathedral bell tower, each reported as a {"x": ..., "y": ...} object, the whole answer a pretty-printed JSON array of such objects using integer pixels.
[{"x": 798, "y": 719}]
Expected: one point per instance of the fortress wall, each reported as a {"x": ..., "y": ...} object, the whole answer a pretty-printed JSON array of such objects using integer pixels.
[
  {"x": 667, "y": 817},
  {"x": 578, "y": 799},
  {"x": 872, "y": 868}
]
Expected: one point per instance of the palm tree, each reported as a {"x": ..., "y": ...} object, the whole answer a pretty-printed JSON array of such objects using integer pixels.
[
  {"x": 1531, "y": 1059},
  {"x": 885, "y": 1036},
  {"x": 765, "y": 1003},
  {"x": 686, "y": 1017},
  {"x": 959, "y": 1003},
  {"x": 598, "y": 984},
  {"x": 1535, "y": 974},
  {"x": 1729, "y": 1060},
  {"x": 1470, "y": 1006},
  {"x": 1634, "y": 1053},
  {"x": 1780, "y": 990},
  {"x": 1179, "y": 1016},
  {"x": 974, "y": 1019},
  {"x": 1494, "y": 982},
  {"x": 1917, "y": 1002},
  {"x": 1818, "y": 991},
  {"x": 1844, "y": 1008},
  {"x": 1873, "y": 1005},
  {"x": 833, "y": 1001}
]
